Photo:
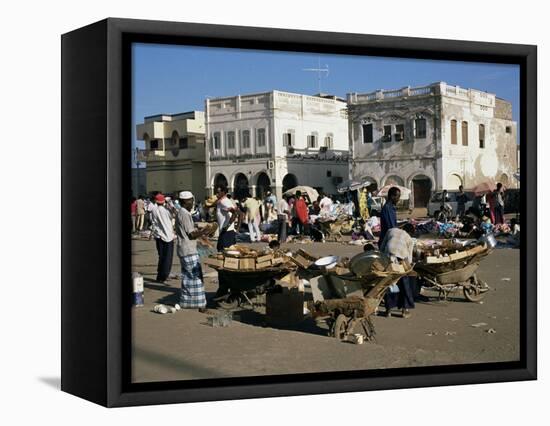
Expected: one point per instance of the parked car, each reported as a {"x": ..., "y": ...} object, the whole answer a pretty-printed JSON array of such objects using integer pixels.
[{"x": 434, "y": 205}]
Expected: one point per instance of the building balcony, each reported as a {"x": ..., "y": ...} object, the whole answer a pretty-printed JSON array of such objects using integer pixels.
[
  {"x": 440, "y": 88},
  {"x": 239, "y": 158},
  {"x": 317, "y": 154}
]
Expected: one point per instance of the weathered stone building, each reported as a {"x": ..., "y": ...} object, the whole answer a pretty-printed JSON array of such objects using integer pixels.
[
  {"x": 432, "y": 138},
  {"x": 276, "y": 140},
  {"x": 174, "y": 152}
]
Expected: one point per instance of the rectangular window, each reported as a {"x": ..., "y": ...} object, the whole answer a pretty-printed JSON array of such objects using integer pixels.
[
  {"x": 154, "y": 144},
  {"x": 367, "y": 133},
  {"x": 261, "y": 137},
  {"x": 464, "y": 133},
  {"x": 287, "y": 139},
  {"x": 481, "y": 136},
  {"x": 453, "y": 132},
  {"x": 184, "y": 144},
  {"x": 230, "y": 140},
  {"x": 328, "y": 142},
  {"x": 508, "y": 129},
  {"x": 386, "y": 137},
  {"x": 312, "y": 141},
  {"x": 216, "y": 141},
  {"x": 399, "y": 132},
  {"x": 420, "y": 128},
  {"x": 246, "y": 139}
]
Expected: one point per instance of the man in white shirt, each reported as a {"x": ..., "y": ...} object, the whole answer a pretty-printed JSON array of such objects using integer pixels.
[
  {"x": 192, "y": 294},
  {"x": 163, "y": 232},
  {"x": 226, "y": 213}
]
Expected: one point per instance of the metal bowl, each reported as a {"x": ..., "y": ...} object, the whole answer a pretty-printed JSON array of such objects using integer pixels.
[
  {"x": 361, "y": 264},
  {"x": 489, "y": 240},
  {"x": 327, "y": 262}
]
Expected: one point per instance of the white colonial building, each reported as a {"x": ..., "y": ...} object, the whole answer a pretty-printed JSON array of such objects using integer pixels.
[
  {"x": 276, "y": 140},
  {"x": 432, "y": 138}
]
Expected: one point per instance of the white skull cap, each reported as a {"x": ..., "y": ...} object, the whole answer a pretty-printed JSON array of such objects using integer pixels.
[{"x": 186, "y": 195}]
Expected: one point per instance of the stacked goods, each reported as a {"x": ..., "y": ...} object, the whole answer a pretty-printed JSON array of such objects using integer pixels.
[
  {"x": 446, "y": 250},
  {"x": 241, "y": 258},
  {"x": 448, "y": 255}
]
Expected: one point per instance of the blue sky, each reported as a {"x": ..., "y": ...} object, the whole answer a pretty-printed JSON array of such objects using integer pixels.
[{"x": 171, "y": 79}]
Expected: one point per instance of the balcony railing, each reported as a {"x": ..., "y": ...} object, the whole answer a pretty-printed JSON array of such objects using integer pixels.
[{"x": 239, "y": 158}]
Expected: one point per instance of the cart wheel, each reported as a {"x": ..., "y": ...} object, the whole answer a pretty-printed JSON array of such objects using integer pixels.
[
  {"x": 340, "y": 327},
  {"x": 368, "y": 327},
  {"x": 472, "y": 292},
  {"x": 230, "y": 302}
]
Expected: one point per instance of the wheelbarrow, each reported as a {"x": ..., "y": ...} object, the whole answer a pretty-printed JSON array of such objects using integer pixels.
[
  {"x": 350, "y": 301},
  {"x": 451, "y": 275},
  {"x": 247, "y": 285}
]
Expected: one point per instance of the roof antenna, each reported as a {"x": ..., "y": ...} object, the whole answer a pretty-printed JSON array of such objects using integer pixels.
[{"x": 319, "y": 72}]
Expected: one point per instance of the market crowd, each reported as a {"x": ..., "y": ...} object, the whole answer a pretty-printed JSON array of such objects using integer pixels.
[{"x": 175, "y": 219}]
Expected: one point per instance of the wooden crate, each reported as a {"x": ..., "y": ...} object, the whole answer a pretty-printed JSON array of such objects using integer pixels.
[
  {"x": 277, "y": 260},
  {"x": 210, "y": 261},
  {"x": 231, "y": 263},
  {"x": 263, "y": 265},
  {"x": 264, "y": 258},
  {"x": 247, "y": 263},
  {"x": 301, "y": 261}
]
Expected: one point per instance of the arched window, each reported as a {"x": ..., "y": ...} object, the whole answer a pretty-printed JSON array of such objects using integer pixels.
[
  {"x": 420, "y": 128},
  {"x": 453, "y": 132},
  {"x": 464, "y": 133}
]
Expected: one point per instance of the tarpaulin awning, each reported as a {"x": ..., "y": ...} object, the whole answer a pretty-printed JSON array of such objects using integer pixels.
[
  {"x": 352, "y": 185},
  {"x": 311, "y": 192}
]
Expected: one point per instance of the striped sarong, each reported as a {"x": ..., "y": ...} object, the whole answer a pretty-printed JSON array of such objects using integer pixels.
[{"x": 192, "y": 287}]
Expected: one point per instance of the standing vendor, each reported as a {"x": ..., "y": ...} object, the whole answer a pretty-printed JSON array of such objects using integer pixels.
[
  {"x": 302, "y": 214},
  {"x": 499, "y": 204},
  {"x": 163, "y": 232},
  {"x": 388, "y": 215},
  {"x": 398, "y": 245},
  {"x": 226, "y": 213},
  {"x": 192, "y": 294},
  {"x": 461, "y": 199}
]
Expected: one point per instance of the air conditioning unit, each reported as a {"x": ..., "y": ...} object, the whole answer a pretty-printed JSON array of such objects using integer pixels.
[
  {"x": 323, "y": 149},
  {"x": 270, "y": 165}
]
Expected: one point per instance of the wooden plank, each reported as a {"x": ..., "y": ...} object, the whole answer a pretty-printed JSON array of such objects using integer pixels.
[{"x": 264, "y": 258}]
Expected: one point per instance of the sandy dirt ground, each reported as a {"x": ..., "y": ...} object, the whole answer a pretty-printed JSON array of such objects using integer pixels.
[{"x": 183, "y": 346}]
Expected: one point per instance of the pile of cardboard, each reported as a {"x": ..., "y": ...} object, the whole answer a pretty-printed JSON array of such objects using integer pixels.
[
  {"x": 446, "y": 251},
  {"x": 241, "y": 258}
]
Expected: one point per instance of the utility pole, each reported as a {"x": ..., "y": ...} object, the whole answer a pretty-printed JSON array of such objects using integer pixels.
[{"x": 319, "y": 72}]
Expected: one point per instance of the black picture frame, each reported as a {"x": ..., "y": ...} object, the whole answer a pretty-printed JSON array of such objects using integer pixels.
[{"x": 96, "y": 283}]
